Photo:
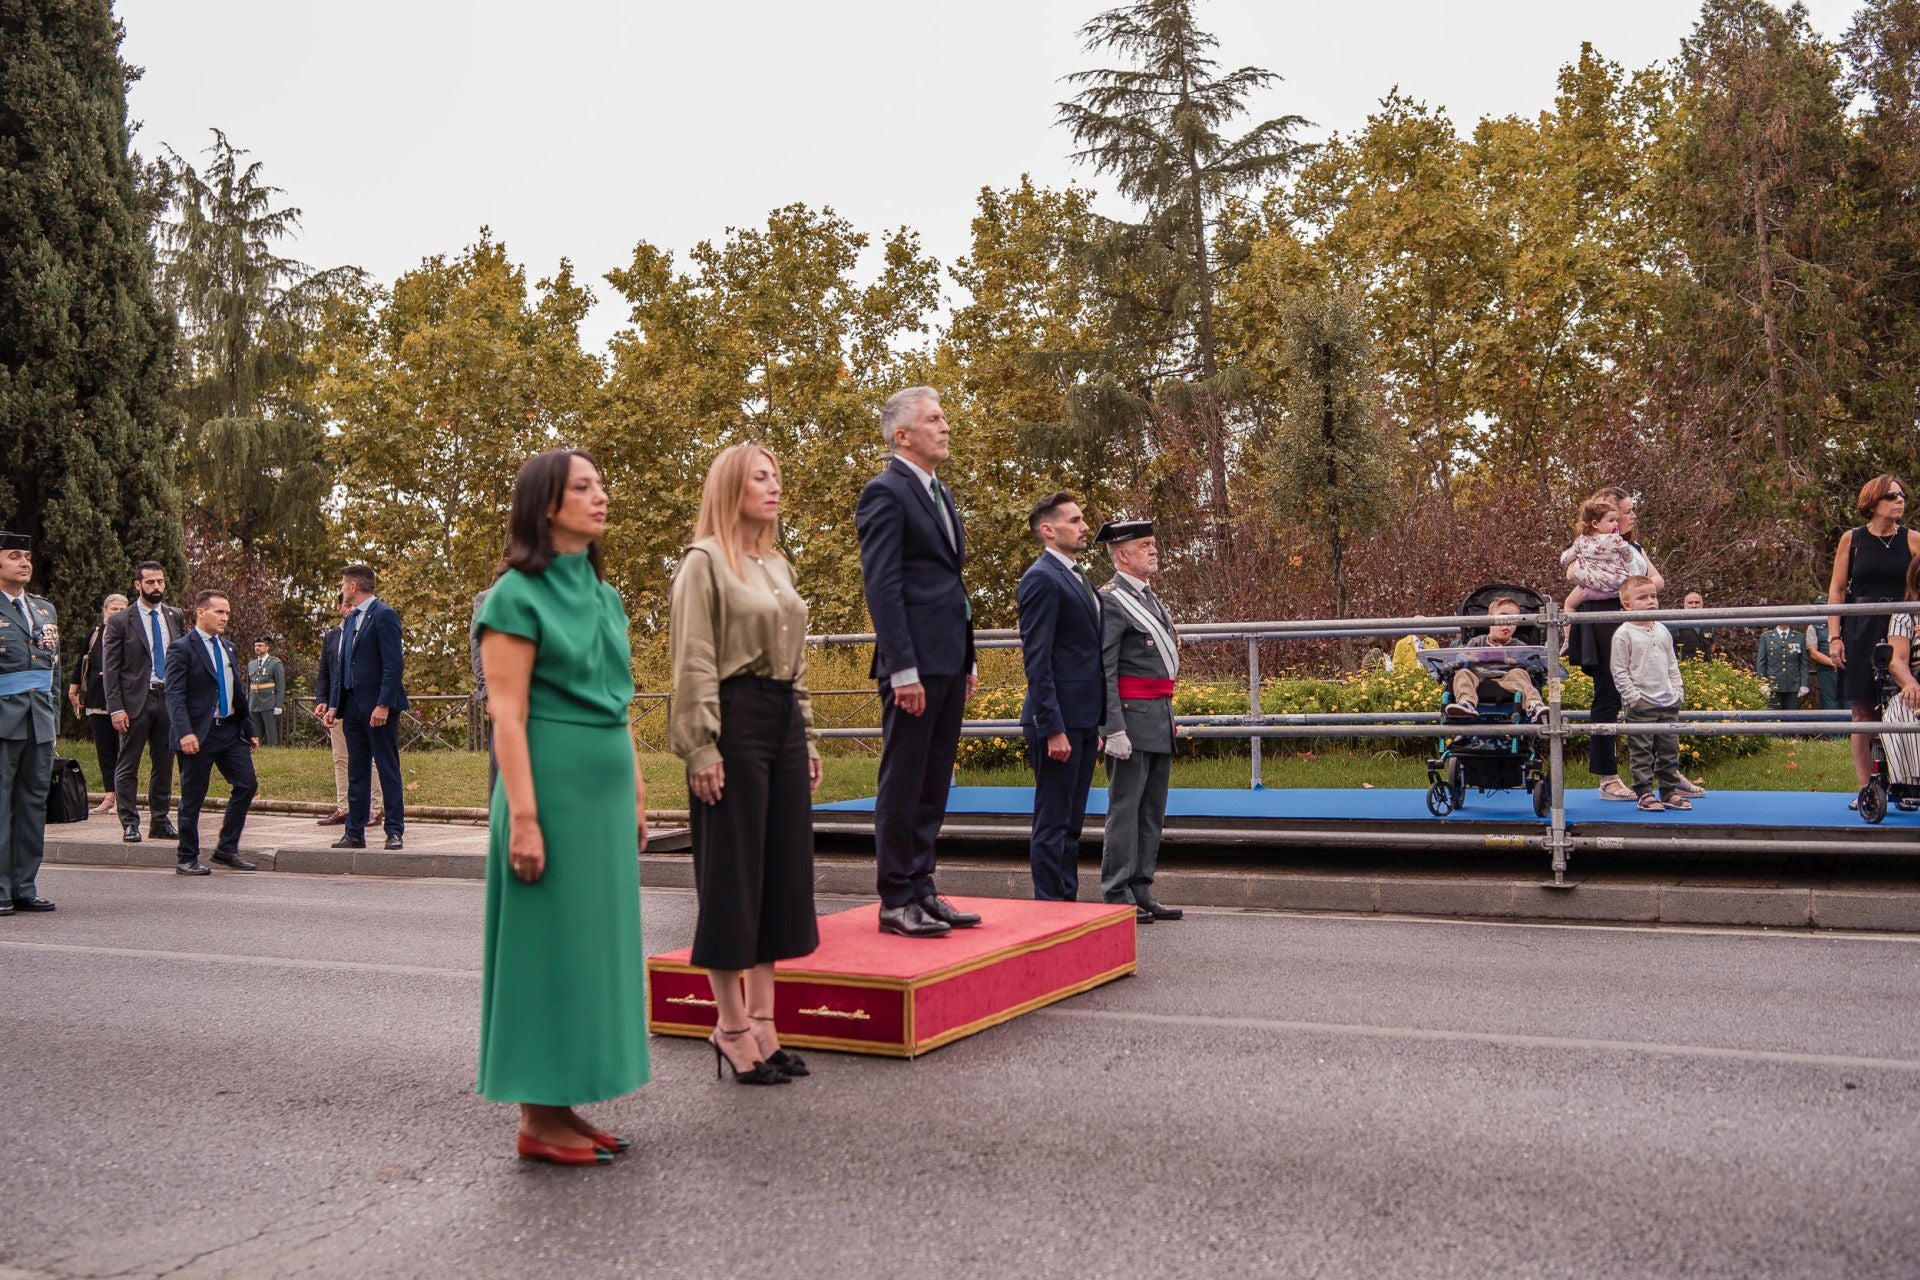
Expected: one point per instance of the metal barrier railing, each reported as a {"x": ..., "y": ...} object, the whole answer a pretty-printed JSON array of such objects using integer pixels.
[{"x": 1256, "y": 726}]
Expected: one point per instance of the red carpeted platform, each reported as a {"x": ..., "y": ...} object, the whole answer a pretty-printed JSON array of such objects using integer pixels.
[{"x": 870, "y": 992}]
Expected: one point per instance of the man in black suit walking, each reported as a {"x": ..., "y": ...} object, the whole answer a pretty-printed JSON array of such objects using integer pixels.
[
  {"x": 912, "y": 553},
  {"x": 134, "y": 670},
  {"x": 1066, "y": 692},
  {"x": 207, "y": 705},
  {"x": 366, "y": 699},
  {"x": 323, "y": 685}
]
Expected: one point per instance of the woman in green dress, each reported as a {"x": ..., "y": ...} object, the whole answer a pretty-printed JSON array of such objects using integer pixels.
[{"x": 562, "y": 976}]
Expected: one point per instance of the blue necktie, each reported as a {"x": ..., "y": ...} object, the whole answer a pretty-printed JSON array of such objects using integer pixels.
[
  {"x": 220, "y": 674},
  {"x": 159, "y": 644},
  {"x": 346, "y": 650}
]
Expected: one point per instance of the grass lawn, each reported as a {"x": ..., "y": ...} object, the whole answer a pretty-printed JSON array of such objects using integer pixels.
[{"x": 457, "y": 778}]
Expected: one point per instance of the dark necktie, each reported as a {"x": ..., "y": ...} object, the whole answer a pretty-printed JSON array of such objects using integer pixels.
[
  {"x": 159, "y": 643},
  {"x": 1080, "y": 576}
]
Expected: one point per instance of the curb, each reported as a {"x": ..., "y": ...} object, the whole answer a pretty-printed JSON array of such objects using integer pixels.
[{"x": 1595, "y": 900}]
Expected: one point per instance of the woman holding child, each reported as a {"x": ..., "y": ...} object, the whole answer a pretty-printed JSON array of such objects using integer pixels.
[{"x": 1604, "y": 556}]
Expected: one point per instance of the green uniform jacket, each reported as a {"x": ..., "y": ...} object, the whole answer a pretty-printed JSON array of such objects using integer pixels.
[
  {"x": 1130, "y": 648},
  {"x": 264, "y": 671},
  {"x": 34, "y": 716},
  {"x": 1783, "y": 659}
]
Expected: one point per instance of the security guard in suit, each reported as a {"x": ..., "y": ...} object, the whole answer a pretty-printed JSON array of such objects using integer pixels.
[
  {"x": 1140, "y": 658},
  {"x": 266, "y": 692},
  {"x": 29, "y": 719}
]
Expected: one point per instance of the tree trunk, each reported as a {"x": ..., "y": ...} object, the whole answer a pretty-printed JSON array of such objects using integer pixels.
[
  {"x": 1336, "y": 541},
  {"x": 1770, "y": 329}
]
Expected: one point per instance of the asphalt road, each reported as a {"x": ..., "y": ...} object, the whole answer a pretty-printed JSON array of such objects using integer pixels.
[{"x": 270, "y": 1076}]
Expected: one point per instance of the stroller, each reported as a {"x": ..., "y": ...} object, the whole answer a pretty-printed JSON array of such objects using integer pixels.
[
  {"x": 1486, "y": 762},
  {"x": 1882, "y": 784}
]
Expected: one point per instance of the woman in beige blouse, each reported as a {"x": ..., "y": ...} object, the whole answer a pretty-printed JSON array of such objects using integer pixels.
[{"x": 743, "y": 723}]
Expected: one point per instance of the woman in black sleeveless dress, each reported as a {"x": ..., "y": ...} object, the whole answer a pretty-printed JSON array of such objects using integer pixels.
[{"x": 1870, "y": 564}]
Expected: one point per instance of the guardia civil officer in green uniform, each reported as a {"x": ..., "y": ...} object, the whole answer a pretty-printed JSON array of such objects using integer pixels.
[
  {"x": 1140, "y": 657},
  {"x": 266, "y": 692},
  {"x": 29, "y": 660},
  {"x": 1782, "y": 663}
]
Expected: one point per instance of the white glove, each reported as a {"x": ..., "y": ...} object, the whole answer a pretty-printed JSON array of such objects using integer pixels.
[
  {"x": 1803, "y": 691},
  {"x": 276, "y": 710},
  {"x": 1119, "y": 746}
]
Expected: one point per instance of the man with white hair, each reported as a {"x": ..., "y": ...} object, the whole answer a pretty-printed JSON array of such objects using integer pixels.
[{"x": 912, "y": 553}]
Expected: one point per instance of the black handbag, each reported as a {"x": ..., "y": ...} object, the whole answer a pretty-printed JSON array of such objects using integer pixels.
[{"x": 67, "y": 797}]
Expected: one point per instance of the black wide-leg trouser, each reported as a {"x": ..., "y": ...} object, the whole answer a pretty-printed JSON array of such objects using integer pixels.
[{"x": 753, "y": 851}]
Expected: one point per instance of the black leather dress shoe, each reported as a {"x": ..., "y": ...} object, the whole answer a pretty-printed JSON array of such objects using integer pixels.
[
  {"x": 1141, "y": 915},
  {"x": 235, "y": 861},
  {"x": 912, "y": 922},
  {"x": 130, "y": 832},
  {"x": 946, "y": 913},
  {"x": 31, "y": 904},
  {"x": 195, "y": 867},
  {"x": 6, "y": 908},
  {"x": 1155, "y": 909},
  {"x": 163, "y": 829},
  {"x": 349, "y": 842},
  {"x": 395, "y": 842}
]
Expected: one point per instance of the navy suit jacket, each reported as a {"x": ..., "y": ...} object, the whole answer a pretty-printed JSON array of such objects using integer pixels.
[
  {"x": 912, "y": 576},
  {"x": 1060, "y": 642},
  {"x": 376, "y": 660},
  {"x": 193, "y": 702},
  {"x": 329, "y": 659}
]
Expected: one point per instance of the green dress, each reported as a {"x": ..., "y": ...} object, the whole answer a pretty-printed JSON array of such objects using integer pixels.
[{"x": 563, "y": 1006}]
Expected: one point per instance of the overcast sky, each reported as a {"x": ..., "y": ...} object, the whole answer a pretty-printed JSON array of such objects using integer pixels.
[{"x": 577, "y": 128}]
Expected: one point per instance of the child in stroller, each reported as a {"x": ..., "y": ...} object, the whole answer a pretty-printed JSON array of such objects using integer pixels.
[{"x": 1492, "y": 678}]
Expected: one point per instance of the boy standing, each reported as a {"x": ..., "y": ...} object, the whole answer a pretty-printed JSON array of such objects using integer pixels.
[{"x": 1648, "y": 676}]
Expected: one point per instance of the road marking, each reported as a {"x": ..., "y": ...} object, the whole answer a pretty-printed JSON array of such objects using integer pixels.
[
  {"x": 1505, "y": 1039},
  {"x": 262, "y": 962}
]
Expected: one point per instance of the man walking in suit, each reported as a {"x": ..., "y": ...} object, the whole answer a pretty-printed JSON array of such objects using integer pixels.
[
  {"x": 1060, "y": 640},
  {"x": 29, "y": 720},
  {"x": 266, "y": 692},
  {"x": 912, "y": 553},
  {"x": 134, "y": 663},
  {"x": 336, "y": 733},
  {"x": 367, "y": 698},
  {"x": 1140, "y": 658},
  {"x": 213, "y": 728}
]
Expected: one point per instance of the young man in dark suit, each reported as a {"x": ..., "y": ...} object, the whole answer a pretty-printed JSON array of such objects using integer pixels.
[
  {"x": 912, "y": 553},
  {"x": 336, "y": 735},
  {"x": 133, "y": 668},
  {"x": 207, "y": 706},
  {"x": 1060, "y": 641},
  {"x": 367, "y": 699}
]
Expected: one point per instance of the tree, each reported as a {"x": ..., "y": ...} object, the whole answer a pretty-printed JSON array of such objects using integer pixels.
[
  {"x": 769, "y": 337},
  {"x": 1157, "y": 126},
  {"x": 436, "y": 391},
  {"x": 1328, "y": 466},
  {"x": 253, "y": 470},
  {"x": 1763, "y": 326},
  {"x": 85, "y": 348}
]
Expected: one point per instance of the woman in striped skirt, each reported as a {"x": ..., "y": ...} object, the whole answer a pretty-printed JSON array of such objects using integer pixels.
[{"x": 1903, "y": 747}]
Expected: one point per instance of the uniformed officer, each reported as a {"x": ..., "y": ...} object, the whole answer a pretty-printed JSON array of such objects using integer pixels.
[
  {"x": 1826, "y": 676},
  {"x": 266, "y": 692},
  {"x": 29, "y": 660},
  {"x": 1140, "y": 657},
  {"x": 1782, "y": 663}
]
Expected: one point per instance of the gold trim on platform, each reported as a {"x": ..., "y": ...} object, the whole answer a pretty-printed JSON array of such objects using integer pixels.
[
  {"x": 857, "y": 1015},
  {"x": 696, "y": 1001}
]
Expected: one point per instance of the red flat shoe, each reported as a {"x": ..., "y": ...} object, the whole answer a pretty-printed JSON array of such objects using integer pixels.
[
  {"x": 534, "y": 1149},
  {"x": 601, "y": 1138}
]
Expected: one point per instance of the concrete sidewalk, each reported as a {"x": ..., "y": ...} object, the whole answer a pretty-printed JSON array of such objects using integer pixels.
[{"x": 1822, "y": 895}]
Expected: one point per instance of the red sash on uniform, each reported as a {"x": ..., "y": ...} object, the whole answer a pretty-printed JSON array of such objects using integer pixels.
[{"x": 1145, "y": 687}]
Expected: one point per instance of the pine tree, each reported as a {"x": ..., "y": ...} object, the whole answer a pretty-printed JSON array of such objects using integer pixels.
[
  {"x": 85, "y": 348},
  {"x": 1156, "y": 125},
  {"x": 253, "y": 473}
]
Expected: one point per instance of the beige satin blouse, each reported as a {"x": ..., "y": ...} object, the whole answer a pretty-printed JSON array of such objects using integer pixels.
[{"x": 725, "y": 625}]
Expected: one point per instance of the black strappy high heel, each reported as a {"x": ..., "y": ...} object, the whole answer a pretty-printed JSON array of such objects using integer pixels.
[
  {"x": 762, "y": 1073},
  {"x": 784, "y": 1061}
]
